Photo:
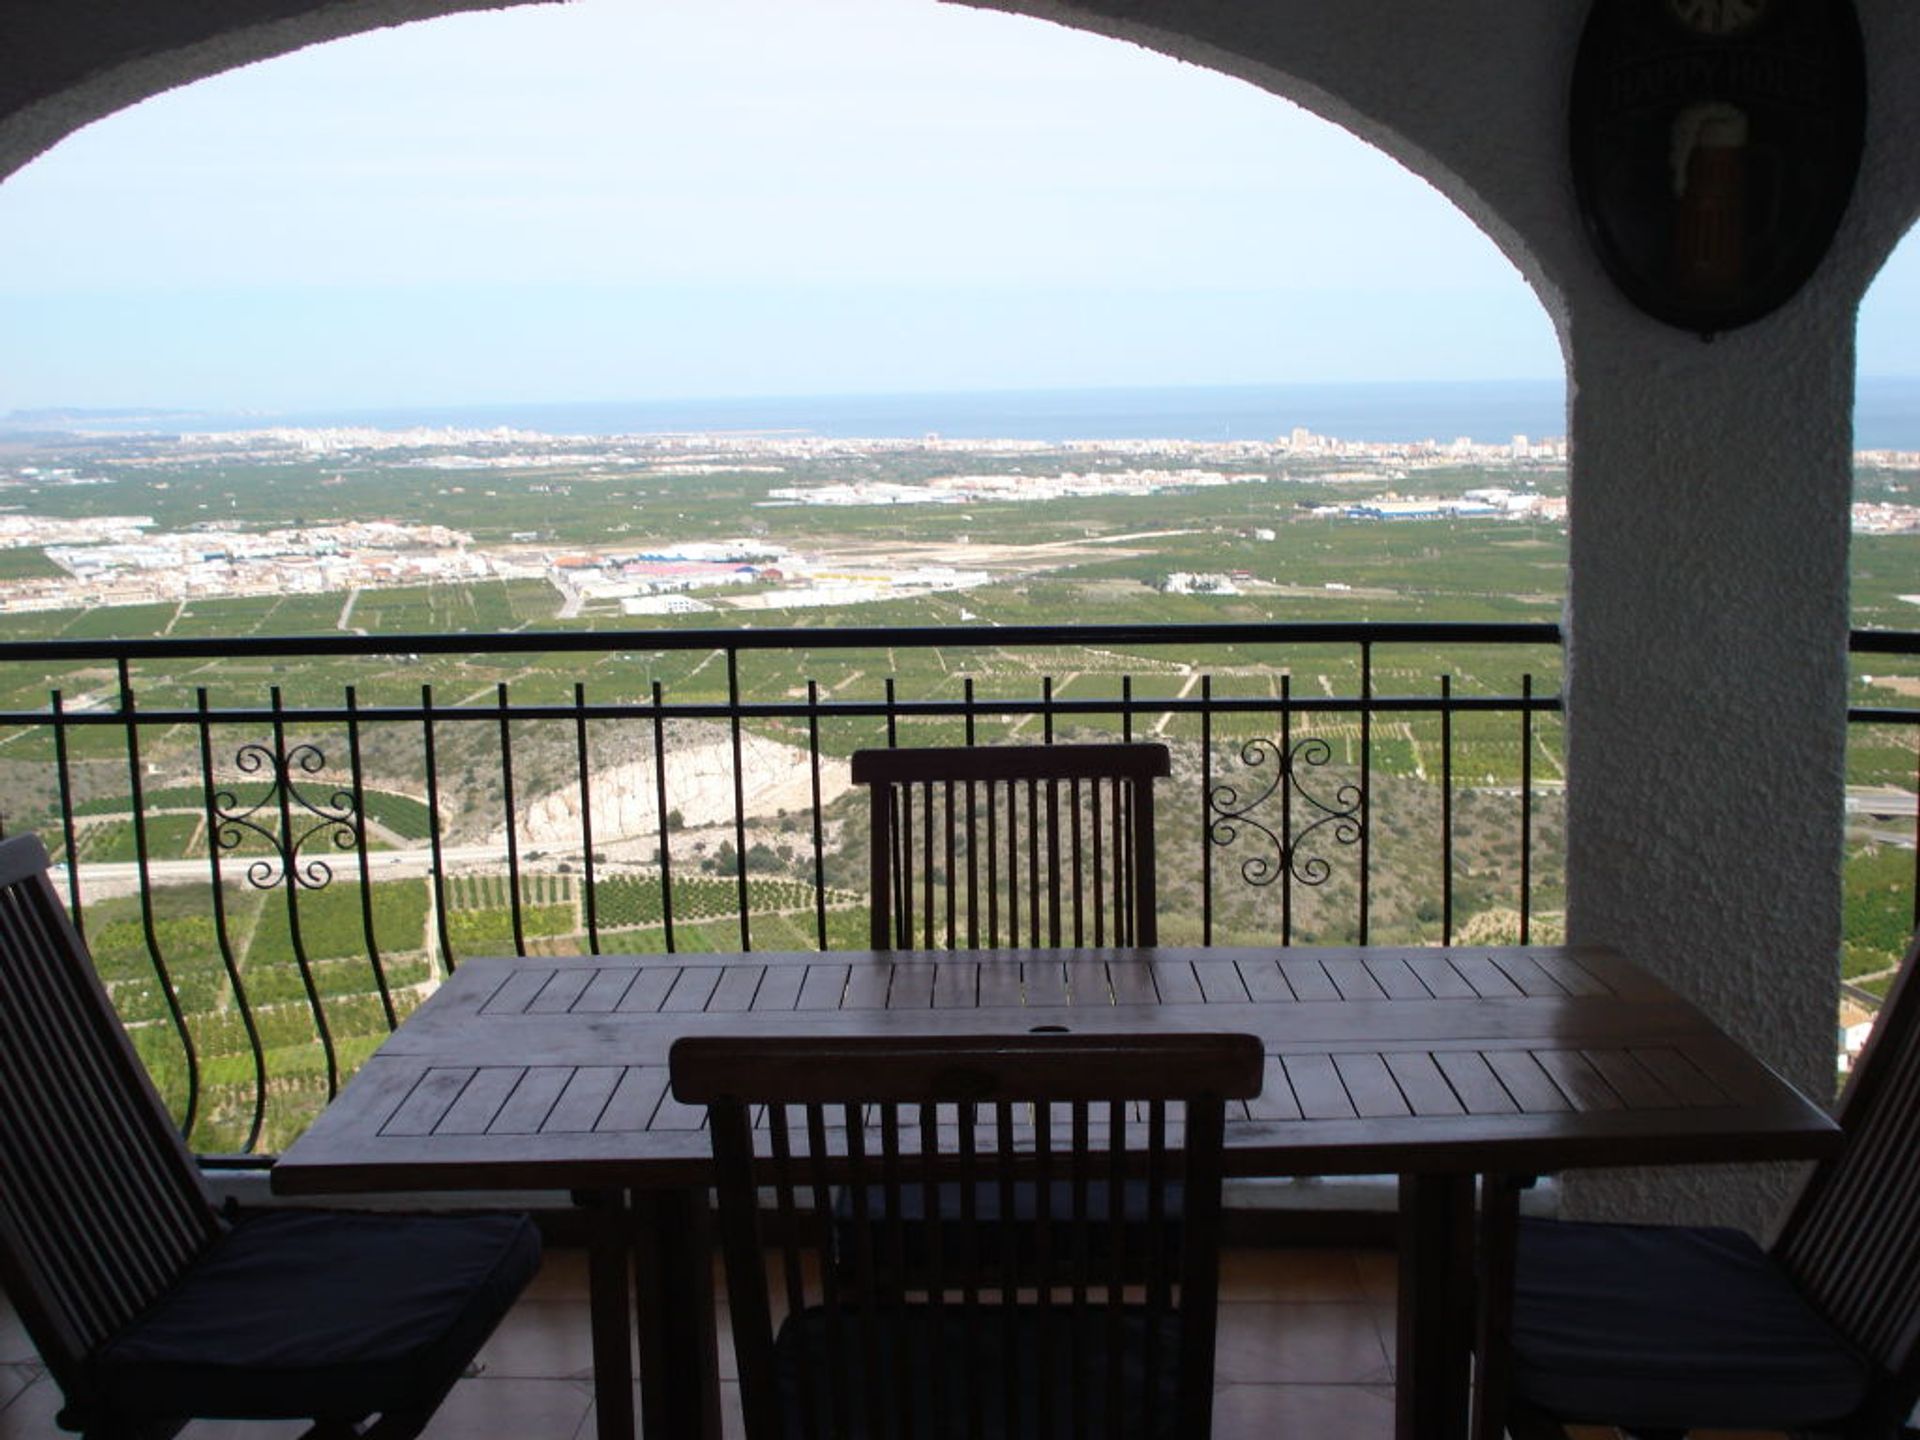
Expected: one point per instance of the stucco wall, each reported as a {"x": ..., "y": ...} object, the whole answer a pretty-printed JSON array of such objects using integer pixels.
[{"x": 1707, "y": 599}]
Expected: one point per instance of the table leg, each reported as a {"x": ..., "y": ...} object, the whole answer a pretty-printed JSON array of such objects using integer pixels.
[
  {"x": 1436, "y": 1307},
  {"x": 679, "y": 1358},
  {"x": 609, "y": 1244},
  {"x": 1497, "y": 1234}
]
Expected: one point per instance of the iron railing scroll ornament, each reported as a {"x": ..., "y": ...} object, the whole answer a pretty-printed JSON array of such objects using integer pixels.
[
  {"x": 293, "y": 817},
  {"x": 1284, "y": 850}
]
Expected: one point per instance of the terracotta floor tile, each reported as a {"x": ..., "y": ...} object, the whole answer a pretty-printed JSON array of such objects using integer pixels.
[
  {"x": 1379, "y": 1274},
  {"x": 1264, "y": 1412},
  {"x": 732, "y": 1426},
  {"x": 14, "y": 1379},
  {"x": 550, "y": 1339},
  {"x": 1292, "y": 1274},
  {"x": 563, "y": 1276},
  {"x": 1262, "y": 1343},
  {"x": 244, "y": 1430},
  {"x": 517, "y": 1409},
  {"x": 29, "y": 1415},
  {"x": 15, "y": 1347},
  {"x": 1386, "y": 1319}
]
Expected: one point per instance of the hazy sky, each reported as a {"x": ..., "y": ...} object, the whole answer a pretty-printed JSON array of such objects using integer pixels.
[{"x": 634, "y": 199}]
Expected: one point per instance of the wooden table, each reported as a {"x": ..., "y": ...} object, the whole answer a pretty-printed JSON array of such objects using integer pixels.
[{"x": 1435, "y": 1065}]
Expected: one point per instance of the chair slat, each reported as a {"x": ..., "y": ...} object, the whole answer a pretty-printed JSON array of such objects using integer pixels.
[
  {"x": 1037, "y": 845},
  {"x": 1852, "y": 1240},
  {"x": 103, "y": 1207},
  {"x": 975, "y": 1322}
]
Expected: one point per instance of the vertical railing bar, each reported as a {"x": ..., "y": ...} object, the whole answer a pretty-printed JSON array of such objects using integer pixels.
[
  {"x": 1100, "y": 875},
  {"x": 1126, "y": 708},
  {"x": 993, "y": 863},
  {"x": 660, "y": 814},
  {"x": 819, "y": 833},
  {"x": 1123, "y": 931},
  {"x": 1206, "y": 809},
  {"x": 1076, "y": 861},
  {"x": 1033, "y": 864},
  {"x": 973, "y": 834},
  {"x": 1446, "y": 809},
  {"x": 739, "y": 799},
  {"x": 583, "y": 766},
  {"x": 900, "y": 835},
  {"x": 1526, "y": 807},
  {"x": 951, "y": 831},
  {"x": 63, "y": 765},
  {"x": 1366, "y": 785},
  {"x": 221, "y": 931},
  {"x": 1286, "y": 806},
  {"x": 513, "y": 826},
  {"x": 290, "y": 882},
  {"x": 357, "y": 773},
  {"x": 1052, "y": 840},
  {"x": 137, "y": 800},
  {"x": 437, "y": 855},
  {"x": 1916, "y": 830},
  {"x": 926, "y": 862},
  {"x": 899, "y": 854}
]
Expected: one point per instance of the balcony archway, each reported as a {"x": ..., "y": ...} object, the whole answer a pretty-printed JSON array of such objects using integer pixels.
[{"x": 1710, "y": 484}]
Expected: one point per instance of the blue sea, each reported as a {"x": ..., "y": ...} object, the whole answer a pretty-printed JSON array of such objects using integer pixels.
[{"x": 1887, "y": 414}]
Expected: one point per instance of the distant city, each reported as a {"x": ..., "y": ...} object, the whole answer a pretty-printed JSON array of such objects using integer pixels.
[{"x": 129, "y": 559}]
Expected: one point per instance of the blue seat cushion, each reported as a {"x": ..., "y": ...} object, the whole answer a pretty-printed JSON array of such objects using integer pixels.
[
  {"x": 301, "y": 1314},
  {"x": 993, "y": 1241},
  {"x": 1672, "y": 1327},
  {"x": 941, "y": 1365}
]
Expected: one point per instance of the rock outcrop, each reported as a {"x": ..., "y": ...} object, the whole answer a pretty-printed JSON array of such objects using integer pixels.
[{"x": 699, "y": 787}]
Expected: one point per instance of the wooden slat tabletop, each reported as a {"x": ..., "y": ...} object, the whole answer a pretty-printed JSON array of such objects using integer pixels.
[{"x": 550, "y": 1073}]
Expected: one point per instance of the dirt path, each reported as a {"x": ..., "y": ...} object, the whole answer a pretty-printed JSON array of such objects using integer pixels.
[{"x": 1186, "y": 689}]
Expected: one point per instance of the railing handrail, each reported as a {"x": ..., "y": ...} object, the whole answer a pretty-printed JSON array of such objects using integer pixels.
[
  {"x": 1860, "y": 641},
  {"x": 1298, "y": 802},
  {"x": 786, "y": 637}
]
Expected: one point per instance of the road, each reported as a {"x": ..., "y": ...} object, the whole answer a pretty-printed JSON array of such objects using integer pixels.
[{"x": 123, "y": 877}]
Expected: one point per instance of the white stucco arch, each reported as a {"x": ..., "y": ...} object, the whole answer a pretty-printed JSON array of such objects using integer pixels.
[{"x": 1707, "y": 611}]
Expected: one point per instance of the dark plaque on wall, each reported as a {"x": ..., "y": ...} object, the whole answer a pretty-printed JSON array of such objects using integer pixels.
[{"x": 1715, "y": 144}]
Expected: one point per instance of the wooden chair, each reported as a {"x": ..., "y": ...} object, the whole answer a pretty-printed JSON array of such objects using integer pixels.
[
  {"x": 1036, "y": 845},
  {"x": 966, "y": 1338},
  {"x": 147, "y": 1306},
  {"x": 1663, "y": 1329}
]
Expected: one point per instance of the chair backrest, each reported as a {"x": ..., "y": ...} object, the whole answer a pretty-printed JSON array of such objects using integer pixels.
[
  {"x": 101, "y": 1206},
  {"x": 1852, "y": 1238},
  {"x": 977, "y": 847},
  {"x": 1115, "y": 1140}
]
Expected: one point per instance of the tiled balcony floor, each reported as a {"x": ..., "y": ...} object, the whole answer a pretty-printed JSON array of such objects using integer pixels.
[{"x": 1306, "y": 1348}]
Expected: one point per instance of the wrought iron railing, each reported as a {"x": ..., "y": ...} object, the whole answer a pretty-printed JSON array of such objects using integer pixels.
[
  {"x": 269, "y": 888},
  {"x": 1883, "y": 851}
]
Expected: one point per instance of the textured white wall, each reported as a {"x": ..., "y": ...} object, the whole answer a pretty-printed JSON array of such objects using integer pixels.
[{"x": 1708, "y": 597}]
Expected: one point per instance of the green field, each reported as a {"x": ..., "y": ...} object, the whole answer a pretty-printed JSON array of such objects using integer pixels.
[{"x": 281, "y": 948}]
